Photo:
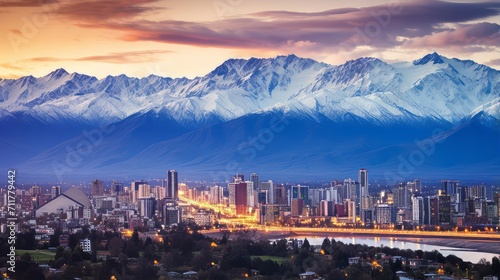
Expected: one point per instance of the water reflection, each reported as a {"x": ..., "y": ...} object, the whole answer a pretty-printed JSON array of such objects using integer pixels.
[{"x": 464, "y": 254}]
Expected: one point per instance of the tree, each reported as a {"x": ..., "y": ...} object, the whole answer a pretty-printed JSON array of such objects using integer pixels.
[
  {"x": 326, "y": 246},
  {"x": 132, "y": 249},
  {"x": 306, "y": 244},
  {"x": 116, "y": 246},
  {"x": 495, "y": 266},
  {"x": 59, "y": 252}
]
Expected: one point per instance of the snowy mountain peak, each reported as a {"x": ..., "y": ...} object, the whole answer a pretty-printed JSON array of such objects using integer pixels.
[
  {"x": 433, "y": 87},
  {"x": 57, "y": 74},
  {"x": 434, "y": 57}
]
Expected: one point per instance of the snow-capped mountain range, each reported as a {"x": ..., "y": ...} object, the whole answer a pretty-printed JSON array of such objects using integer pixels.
[
  {"x": 158, "y": 115},
  {"x": 433, "y": 87}
]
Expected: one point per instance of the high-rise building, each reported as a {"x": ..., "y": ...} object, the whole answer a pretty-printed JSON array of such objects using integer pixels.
[
  {"x": 323, "y": 208},
  {"x": 144, "y": 191},
  {"x": 430, "y": 211},
  {"x": 159, "y": 192},
  {"x": 238, "y": 178},
  {"x": 280, "y": 195},
  {"x": 450, "y": 187},
  {"x": 497, "y": 197},
  {"x": 97, "y": 188},
  {"x": 254, "y": 177},
  {"x": 269, "y": 213},
  {"x": 402, "y": 196},
  {"x": 55, "y": 191},
  {"x": 363, "y": 187},
  {"x": 418, "y": 185},
  {"x": 418, "y": 210},
  {"x": 172, "y": 185},
  {"x": 269, "y": 187},
  {"x": 477, "y": 191},
  {"x": 351, "y": 210},
  {"x": 250, "y": 194},
  {"x": 349, "y": 190},
  {"x": 35, "y": 189},
  {"x": 301, "y": 192},
  {"x": 297, "y": 207},
  {"x": 147, "y": 207},
  {"x": 386, "y": 214},
  {"x": 134, "y": 186},
  {"x": 216, "y": 195},
  {"x": 116, "y": 188},
  {"x": 240, "y": 198},
  {"x": 171, "y": 213},
  {"x": 444, "y": 208}
]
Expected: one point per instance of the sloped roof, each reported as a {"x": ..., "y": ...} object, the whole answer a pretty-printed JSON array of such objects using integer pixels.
[{"x": 77, "y": 195}]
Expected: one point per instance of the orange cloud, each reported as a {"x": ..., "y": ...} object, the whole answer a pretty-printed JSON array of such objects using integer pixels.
[{"x": 113, "y": 57}]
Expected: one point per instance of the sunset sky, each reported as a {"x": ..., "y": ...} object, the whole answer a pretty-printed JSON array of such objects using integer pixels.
[{"x": 192, "y": 37}]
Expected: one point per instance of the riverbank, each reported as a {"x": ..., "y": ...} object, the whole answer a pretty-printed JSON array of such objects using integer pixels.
[
  {"x": 487, "y": 246},
  {"x": 477, "y": 244}
]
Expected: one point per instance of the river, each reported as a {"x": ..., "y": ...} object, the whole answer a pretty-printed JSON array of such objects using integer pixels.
[{"x": 470, "y": 255}]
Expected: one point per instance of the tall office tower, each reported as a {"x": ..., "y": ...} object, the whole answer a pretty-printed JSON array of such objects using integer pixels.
[
  {"x": 336, "y": 193},
  {"x": 323, "y": 208},
  {"x": 250, "y": 194},
  {"x": 430, "y": 211},
  {"x": 477, "y": 191},
  {"x": 231, "y": 188},
  {"x": 497, "y": 200},
  {"x": 97, "y": 188},
  {"x": 363, "y": 187},
  {"x": 418, "y": 185},
  {"x": 238, "y": 178},
  {"x": 386, "y": 214},
  {"x": 172, "y": 185},
  {"x": 171, "y": 213},
  {"x": 55, "y": 191},
  {"x": 147, "y": 207},
  {"x": 269, "y": 187},
  {"x": 301, "y": 192},
  {"x": 444, "y": 208},
  {"x": 351, "y": 210},
  {"x": 255, "y": 180},
  {"x": 144, "y": 191},
  {"x": 449, "y": 186},
  {"x": 417, "y": 210},
  {"x": 159, "y": 192},
  {"x": 280, "y": 195},
  {"x": 35, "y": 190},
  {"x": 134, "y": 186},
  {"x": 216, "y": 194},
  {"x": 116, "y": 188},
  {"x": 461, "y": 200},
  {"x": 240, "y": 198},
  {"x": 402, "y": 196},
  {"x": 349, "y": 191},
  {"x": 297, "y": 207}
]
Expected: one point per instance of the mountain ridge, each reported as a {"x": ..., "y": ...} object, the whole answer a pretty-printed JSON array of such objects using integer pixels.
[
  {"x": 331, "y": 118},
  {"x": 244, "y": 86}
]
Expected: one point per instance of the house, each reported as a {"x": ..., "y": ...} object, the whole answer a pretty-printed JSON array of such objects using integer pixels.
[
  {"x": 308, "y": 275},
  {"x": 354, "y": 260}
]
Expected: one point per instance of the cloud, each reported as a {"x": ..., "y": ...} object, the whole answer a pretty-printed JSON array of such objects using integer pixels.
[
  {"x": 487, "y": 34},
  {"x": 380, "y": 26},
  {"x": 25, "y": 3},
  {"x": 494, "y": 62},
  {"x": 97, "y": 11},
  {"x": 113, "y": 57}
]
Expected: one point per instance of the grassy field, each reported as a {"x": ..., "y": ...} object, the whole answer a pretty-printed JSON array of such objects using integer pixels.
[
  {"x": 38, "y": 256},
  {"x": 278, "y": 260}
]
